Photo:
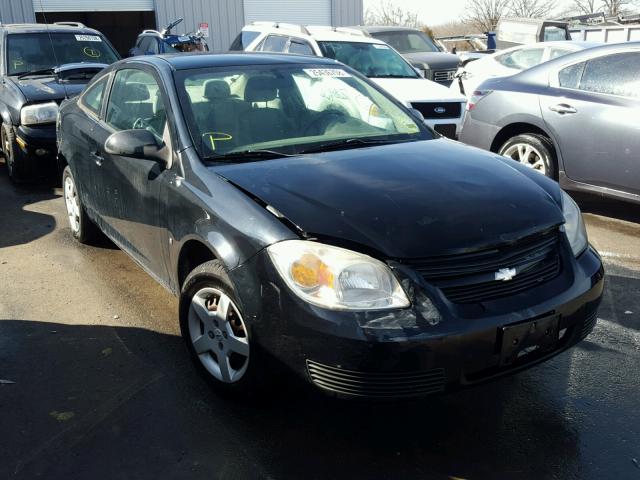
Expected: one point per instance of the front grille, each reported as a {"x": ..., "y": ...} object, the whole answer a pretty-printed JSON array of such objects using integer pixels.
[
  {"x": 438, "y": 110},
  {"x": 471, "y": 277},
  {"x": 444, "y": 75},
  {"x": 377, "y": 385}
]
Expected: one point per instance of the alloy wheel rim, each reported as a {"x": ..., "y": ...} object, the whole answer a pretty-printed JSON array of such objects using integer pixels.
[
  {"x": 218, "y": 335},
  {"x": 72, "y": 203},
  {"x": 527, "y": 155}
]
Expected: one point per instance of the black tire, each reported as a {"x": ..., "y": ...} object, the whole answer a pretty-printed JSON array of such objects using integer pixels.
[
  {"x": 86, "y": 230},
  {"x": 213, "y": 274},
  {"x": 12, "y": 155},
  {"x": 541, "y": 144}
]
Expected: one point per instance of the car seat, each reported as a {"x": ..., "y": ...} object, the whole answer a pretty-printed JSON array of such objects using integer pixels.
[{"x": 263, "y": 124}]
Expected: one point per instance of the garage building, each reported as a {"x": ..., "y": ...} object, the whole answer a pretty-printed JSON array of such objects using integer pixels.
[{"x": 122, "y": 20}]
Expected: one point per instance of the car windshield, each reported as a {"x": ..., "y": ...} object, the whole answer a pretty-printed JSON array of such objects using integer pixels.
[
  {"x": 288, "y": 110},
  {"x": 31, "y": 52},
  {"x": 373, "y": 60},
  {"x": 408, "y": 41}
]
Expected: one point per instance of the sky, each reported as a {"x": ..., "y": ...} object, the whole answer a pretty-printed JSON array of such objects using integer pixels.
[{"x": 436, "y": 12}]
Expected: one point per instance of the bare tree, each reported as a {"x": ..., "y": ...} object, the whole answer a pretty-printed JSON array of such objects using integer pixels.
[
  {"x": 387, "y": 13},
  {"x": 484, "y": 15},
  {"x": 614, "y": 8},
  {"x": 532, "y": 8},
  {"x": 586, "y": 7}
]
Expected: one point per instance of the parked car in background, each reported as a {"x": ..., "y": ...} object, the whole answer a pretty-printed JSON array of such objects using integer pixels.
[
  {"x": 575, "y": 118},
  {"x": 422, "y": 51},
  {"x": 511, "y": 61},
  {"x": 41, "y": 65},
  {"x": 513, "y": 31},
  {"x": 373, "y": 261},
  {"x": 442, "y": 109},
  {"x": 152, "y": 42}
]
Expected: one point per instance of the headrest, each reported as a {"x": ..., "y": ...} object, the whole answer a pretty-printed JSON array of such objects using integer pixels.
[
  {"x": 261, "y": 89},
  {"x": 216, "y": 90},
  {"x": 136, "y": 92}
]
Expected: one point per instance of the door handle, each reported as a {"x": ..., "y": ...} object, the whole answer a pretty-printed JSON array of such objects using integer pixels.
[
  {"x": 97, "y": 158},
  {"x": 563, "y": 108}
]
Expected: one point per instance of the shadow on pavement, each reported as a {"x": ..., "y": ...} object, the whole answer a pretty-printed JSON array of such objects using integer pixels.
[
  {"x": 125, "y": 403},
  {"x": 606, "y": 207}
]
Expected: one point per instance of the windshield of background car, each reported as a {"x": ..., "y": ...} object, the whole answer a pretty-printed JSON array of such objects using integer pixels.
[
  {"x": 374, "y": 60},
  {"x": 288, "y": 109},
  {"x": 29, "y": 52},
  {"x": 408, "y": 42}
]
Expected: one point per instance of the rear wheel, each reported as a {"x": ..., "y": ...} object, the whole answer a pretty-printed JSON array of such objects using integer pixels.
[
  {"x": 532, "y": 150},
  {"x": 215, "y": 331}
]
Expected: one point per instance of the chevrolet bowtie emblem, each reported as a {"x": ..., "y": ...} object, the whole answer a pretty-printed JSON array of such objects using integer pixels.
[{"x": 505, "y": 274}]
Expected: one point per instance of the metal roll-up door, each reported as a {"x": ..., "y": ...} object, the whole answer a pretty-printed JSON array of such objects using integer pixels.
[
  {"x": 92, "y": 5},
  {"x": 307, "y": 12}
]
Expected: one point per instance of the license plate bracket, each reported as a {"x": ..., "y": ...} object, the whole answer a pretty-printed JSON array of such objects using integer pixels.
[{"x": 524, "y": 339}]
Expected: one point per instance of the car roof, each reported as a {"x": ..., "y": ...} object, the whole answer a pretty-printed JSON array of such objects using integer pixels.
[
  {"x": 186, "y": 61},
  {"x": 571, "y": 44},
  {"x": 44, "y": 28},
  {"x": 318, "y": 33},
  {"x": 541, "y": 72},
  {"x": 385, "y": 28}
]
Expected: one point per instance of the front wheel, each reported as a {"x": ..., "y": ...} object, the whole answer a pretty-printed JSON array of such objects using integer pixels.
[
  {"x": 533, "y": 151},
  {"x": 215, "y": 331},
  {"x": 12, "y": 154},
  {"x": 82, "y": 228}
]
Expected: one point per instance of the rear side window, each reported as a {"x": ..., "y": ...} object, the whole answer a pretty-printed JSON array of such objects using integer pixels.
[
  {"x": 300, "y": 47},
  {"x": 274, "y": 43},
  {"x": 558, "y": 52},
  {"x": 243, "y": 40},
  {"x": 569, "y": 77},
  {"x": 617, "y": 74},
  {"x": 522, "y": 59},
  {"x": 92, "y": 98}
]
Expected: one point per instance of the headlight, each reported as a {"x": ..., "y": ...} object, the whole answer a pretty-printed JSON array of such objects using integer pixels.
[
  {"x": 336, "y": 278},
  {"x": 39, "y": 113},
  {"x": 574, "y": 225}
]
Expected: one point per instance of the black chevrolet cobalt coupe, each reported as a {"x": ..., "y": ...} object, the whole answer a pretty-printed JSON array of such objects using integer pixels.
[{"x": 301, "y": 214}]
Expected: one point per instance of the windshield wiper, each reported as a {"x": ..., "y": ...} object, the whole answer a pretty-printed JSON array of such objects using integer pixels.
[
  {"x": 392, "y": 76},
  {"x": 45, "y": 71},
  {"x": 351, "y": 143},
  {"x": 246, "y": 156}
]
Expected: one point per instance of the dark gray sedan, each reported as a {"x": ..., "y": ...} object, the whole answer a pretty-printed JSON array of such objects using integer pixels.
[{"x": 575, "y": 119}]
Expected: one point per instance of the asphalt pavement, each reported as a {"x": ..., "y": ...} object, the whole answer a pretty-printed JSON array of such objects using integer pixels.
[{"x": 102, "y": 386}]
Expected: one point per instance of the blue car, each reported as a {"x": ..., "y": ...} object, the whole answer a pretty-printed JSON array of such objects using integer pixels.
[{"x": 153, "y": 42}]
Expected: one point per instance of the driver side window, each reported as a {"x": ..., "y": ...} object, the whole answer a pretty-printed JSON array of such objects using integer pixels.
[{"x": 136, "y": 102}]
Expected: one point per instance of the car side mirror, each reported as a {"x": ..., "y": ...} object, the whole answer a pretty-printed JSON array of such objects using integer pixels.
[
  {"x": 417, "y": 114},
  {"x": 138, "y": 143}
]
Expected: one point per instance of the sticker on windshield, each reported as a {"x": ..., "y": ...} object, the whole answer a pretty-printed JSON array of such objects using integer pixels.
[
  {"x": 326, "y": 72},
  {"x": 382, "y": 47},
  {"x": 88, "y": 38}
]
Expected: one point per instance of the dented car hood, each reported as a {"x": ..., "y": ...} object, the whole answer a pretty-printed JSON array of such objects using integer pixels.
[{"x": 405, "y": 200}]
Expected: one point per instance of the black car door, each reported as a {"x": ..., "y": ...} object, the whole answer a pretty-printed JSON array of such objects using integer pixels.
[
  {"x": 134, "y": 188},
  {"x": 83, "y": 134}
]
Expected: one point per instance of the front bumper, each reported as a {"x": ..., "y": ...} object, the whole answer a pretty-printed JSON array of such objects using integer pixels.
[
  {"x": 38, "y": 150},
  {"x": 395, "y": 354}
]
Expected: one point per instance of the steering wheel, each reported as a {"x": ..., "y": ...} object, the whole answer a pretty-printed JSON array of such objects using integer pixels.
[
  {"x": 322, "y": 122},
  {"x": 140, "y": 123}
]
